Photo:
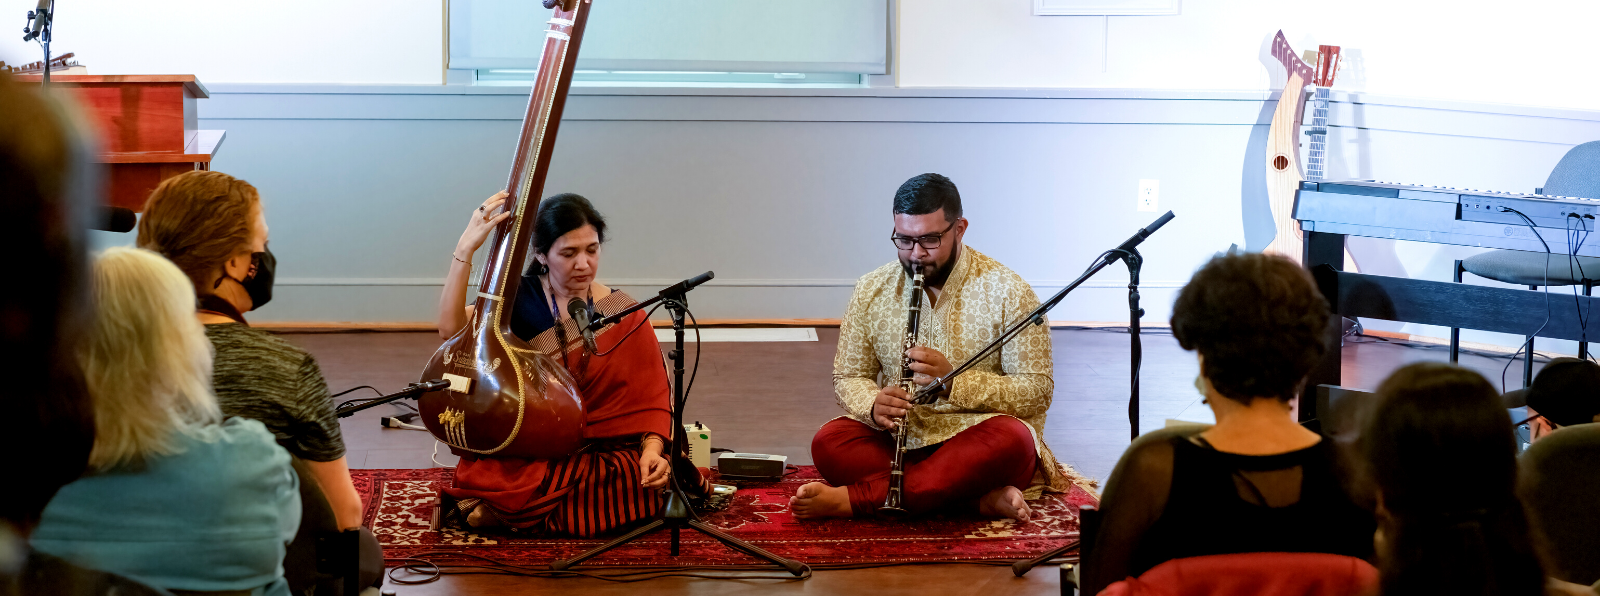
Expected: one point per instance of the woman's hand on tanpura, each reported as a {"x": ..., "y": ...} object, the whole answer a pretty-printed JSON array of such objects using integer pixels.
[
  {"x": 653, "y": 466},
  {"x": 483, "y": 219}
]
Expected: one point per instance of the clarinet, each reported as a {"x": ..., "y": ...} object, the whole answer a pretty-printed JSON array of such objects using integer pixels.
[{"x": 892, "y": 507}]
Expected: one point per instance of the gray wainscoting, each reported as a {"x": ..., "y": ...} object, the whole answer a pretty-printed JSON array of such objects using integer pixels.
[{"x": 786, "y": 193}]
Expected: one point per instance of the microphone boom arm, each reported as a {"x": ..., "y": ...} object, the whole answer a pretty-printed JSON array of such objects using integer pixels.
[
  {"x": 931, "y": 392},
  {"x": 412, "y": 391}
]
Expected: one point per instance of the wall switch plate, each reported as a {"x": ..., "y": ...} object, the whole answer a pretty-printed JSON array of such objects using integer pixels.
[{"x": 1149, "y": 195}]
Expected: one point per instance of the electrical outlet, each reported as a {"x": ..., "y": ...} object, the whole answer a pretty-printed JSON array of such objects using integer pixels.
[{"x": 1149, "y": 195}]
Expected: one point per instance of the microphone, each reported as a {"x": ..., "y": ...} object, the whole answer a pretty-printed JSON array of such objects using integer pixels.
[
  {"x": 686, "y": 285},
  {"x": 113, "y": 219},
  {"x": 40, "y": 15},
  {"x": 434, "y": 385},
  {"x": 580, "y": 315},
  {"x": 1144, "y": 232}
]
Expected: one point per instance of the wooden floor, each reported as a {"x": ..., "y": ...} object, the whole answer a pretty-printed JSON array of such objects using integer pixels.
[{"x": 771, "y": 398}]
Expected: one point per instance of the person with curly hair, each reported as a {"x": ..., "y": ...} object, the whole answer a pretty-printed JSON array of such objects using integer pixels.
[{"x": 1256, "y": 481}]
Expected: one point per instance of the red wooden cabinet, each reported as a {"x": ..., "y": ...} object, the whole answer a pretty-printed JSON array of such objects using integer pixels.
[{"x": 148, "y": 128}]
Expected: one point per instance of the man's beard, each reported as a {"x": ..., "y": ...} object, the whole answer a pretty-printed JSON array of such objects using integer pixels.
[{"x": 932, "y": 275}]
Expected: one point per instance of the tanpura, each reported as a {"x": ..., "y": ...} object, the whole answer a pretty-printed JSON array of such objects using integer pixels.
[{"x": 505, "y": 398}]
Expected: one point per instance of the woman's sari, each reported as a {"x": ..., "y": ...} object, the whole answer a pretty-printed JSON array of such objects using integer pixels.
[{"x": 625, "y": 395}]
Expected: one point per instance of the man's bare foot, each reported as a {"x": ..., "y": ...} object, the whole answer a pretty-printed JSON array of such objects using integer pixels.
[
  {"x": 817, "y": 500},
  {"x": 1005, "y": 501},
  {"x": 481, "y": 518}
]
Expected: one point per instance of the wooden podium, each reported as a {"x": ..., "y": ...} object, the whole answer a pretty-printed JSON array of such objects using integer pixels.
[{"x": 148, "y": 128}]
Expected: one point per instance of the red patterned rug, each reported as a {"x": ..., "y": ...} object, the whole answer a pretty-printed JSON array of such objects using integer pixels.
[{"x": 399, "y": 509}]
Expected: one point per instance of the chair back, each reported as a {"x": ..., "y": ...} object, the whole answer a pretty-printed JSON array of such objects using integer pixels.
[
  {"x": 317, "y": 524},
  {"x": 1560, "y": 485},
  {"x": 1253, "y": 574},
  {"x": 1577, "y": 174}
]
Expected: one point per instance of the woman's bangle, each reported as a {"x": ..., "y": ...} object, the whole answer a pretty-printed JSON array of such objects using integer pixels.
[
  {"x": 648, "y": 438},
  {"x": 463, "y": 261}
]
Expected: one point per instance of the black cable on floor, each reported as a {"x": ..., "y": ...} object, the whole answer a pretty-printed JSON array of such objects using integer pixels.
[{"x": 431, "y": 570}]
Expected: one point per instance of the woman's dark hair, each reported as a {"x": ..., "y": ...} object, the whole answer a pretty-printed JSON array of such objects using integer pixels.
[
  {"x": 558, "y": 215},
  {"x": 1257, "y": 320},
  {"x": 1440, "y": 450}
]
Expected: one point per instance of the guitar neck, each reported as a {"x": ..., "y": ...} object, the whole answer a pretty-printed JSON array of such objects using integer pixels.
[{"x": 1316, "y": 154}]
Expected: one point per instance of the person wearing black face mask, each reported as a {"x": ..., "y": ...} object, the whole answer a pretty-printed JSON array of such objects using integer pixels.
[
  {"x": 257, "y": 286},
  {"x": 214, "y": 228}
]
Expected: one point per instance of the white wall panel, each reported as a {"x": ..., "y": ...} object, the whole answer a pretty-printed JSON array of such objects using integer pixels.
[
  {"x": 222, "y": 41},
  {"x": 1525, "y": 53}
]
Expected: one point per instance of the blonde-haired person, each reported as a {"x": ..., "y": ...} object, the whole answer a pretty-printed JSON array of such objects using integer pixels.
[
  {"x": 177, "y": 496},
  {"x": 214, "y": 228}
]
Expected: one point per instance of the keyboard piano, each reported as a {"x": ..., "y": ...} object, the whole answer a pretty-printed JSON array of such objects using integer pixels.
[
  {"x": 1444, "y": 215},
  {"x": 1330, "y": 211}
]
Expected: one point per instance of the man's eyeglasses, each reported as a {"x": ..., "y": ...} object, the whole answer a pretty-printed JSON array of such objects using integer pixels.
[{"x": 930, "y": 241}]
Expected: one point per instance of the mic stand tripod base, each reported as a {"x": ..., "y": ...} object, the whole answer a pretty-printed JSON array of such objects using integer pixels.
[
  {"x": 1021, "y": 568},
  {"x": 675, "y": 513}
]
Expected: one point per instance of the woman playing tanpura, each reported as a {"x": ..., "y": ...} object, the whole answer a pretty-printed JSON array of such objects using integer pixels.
[{"x": 617, "y": 477}]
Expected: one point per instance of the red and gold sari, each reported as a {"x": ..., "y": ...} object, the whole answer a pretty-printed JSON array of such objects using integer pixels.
[{"x": 625, "y": 395}]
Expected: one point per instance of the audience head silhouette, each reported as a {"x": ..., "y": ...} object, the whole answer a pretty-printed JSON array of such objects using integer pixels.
[
  {"x": 45, "y": 177},
  {"x": 1257, "y": 322},
  {"x": 1441, "y": 453}
]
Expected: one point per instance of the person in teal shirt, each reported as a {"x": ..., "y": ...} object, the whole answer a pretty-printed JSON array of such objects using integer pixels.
[{"x": 176, "y": 497}]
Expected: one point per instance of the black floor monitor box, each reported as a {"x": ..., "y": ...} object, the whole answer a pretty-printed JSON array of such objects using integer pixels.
[{"x": 751, "y": 466}]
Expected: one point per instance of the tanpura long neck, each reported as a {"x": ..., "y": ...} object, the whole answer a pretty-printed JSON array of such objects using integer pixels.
[{"x": 531, "y": 165}]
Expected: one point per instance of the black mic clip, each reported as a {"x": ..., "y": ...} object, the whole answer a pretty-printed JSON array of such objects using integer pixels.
[{"x": 578, "y": 309}]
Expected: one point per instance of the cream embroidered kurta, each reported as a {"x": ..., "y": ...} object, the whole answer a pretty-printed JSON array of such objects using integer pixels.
[{"x": 979, "y": 300}]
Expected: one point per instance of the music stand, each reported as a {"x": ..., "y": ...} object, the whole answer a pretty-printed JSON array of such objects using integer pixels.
[{"x": 676, "y": 514}]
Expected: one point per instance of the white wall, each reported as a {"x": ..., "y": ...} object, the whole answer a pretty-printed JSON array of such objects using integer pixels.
[
  {"x": 1528, "y": 53},
  {"x": 227, "y": 41}
]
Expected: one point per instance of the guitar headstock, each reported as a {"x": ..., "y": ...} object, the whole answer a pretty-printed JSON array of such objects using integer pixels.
[
  {"x": 1285, "y": 55},
  {"x": 1327, "y": 65}
]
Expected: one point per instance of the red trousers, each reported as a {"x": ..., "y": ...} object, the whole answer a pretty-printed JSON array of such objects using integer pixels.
[{"x": 950, "y": 475}]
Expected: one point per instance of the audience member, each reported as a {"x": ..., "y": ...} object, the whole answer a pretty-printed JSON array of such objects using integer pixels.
[
  {"x": 46, "y": 189},
  {"x": 214, "y": 227},
  {"x": 1566, "y": 392},
  {"x": 1442, "y": 457},
  {"x": 177, "y": 496},
  {"x": 1256, "y": 481}
]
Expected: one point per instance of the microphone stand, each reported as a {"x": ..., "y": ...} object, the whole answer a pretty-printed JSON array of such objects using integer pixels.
[
  {"x": 1129, "y": 253},
  {"x": 676, "y": 514},
  {"x": 411, "y": 391},
  {"x": 42, "y": 18},
  {"x": 1126, "y": 251}
]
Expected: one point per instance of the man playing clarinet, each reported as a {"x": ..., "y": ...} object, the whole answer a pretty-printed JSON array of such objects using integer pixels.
[{"x": 978, "y": 447}]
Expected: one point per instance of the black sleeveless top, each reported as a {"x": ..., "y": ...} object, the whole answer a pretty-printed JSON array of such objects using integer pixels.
[
  {"x": 1171, "y": 499},
  {"x": 1222, "y": 503}
]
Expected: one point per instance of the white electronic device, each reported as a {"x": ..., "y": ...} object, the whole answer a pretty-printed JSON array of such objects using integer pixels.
[
  {"x": 699, "y": 446},
  {"x": 751, "y": 466}
]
